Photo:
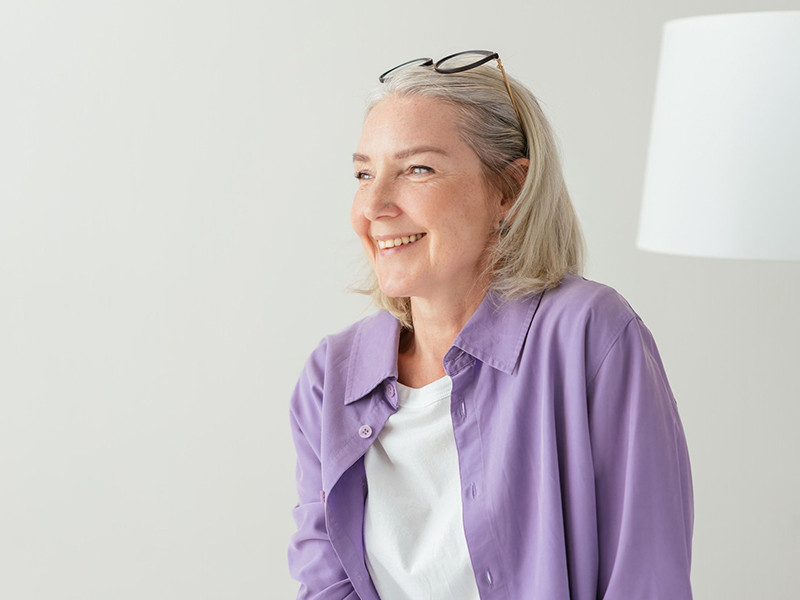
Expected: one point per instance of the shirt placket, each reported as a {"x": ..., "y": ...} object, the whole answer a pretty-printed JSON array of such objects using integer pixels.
[
  {"x": 481, "y": 535},
  {"x": 346, "y": 502}
]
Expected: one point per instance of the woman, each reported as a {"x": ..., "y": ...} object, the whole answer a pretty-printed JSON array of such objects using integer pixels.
[{"x": 503, "y": 428}]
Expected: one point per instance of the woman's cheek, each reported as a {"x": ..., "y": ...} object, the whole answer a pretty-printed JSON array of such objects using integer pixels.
[{"x": 356, "y": 216}]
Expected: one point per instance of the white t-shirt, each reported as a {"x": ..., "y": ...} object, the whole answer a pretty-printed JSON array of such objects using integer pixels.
[{"x": 413, "y": 525}]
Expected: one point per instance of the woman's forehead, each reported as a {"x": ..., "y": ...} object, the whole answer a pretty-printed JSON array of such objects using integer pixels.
[{"x": 398, "y": 124}]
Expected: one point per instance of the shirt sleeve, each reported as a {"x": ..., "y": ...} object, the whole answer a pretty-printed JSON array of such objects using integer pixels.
[
  {"x": 642, "y": 474},
  {"x": 312, "y": 559}
]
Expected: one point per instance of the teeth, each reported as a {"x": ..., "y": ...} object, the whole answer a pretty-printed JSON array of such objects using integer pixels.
[{"x": 401, "y": 241}]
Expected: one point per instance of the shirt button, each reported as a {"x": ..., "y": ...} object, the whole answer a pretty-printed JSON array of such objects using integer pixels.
[
  {"x": 390, "y": 390},
  {"x": 488, "y": 576},
  {"x": 365, "y": 431}
]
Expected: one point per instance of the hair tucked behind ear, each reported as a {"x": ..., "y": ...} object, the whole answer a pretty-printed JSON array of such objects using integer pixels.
[{"x": 541, "y": 240}]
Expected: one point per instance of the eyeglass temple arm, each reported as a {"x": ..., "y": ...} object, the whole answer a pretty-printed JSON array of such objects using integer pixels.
[{"x": 508, "y": 87}]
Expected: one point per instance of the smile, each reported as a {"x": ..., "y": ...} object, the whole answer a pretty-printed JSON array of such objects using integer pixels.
[{"x": 400, "y": 241}]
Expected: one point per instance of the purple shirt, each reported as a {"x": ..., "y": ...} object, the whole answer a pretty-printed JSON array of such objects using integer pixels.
[{"x": 574, "y": 469}]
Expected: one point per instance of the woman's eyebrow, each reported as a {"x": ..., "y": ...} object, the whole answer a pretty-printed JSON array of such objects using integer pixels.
[
  {"x": 419, "y": 150},
  {"x": 403, "y": 153}
]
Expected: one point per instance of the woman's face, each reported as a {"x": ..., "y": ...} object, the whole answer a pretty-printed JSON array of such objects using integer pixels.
[{"x": 423, "y": 210}]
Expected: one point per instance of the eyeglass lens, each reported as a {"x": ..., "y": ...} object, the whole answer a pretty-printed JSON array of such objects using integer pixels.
[
  {"x": 417, "y": 62},
  {"x": 464, "y": 61}
]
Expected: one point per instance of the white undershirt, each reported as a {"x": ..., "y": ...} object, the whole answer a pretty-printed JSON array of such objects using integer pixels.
[{"x": 413, "y": 525}]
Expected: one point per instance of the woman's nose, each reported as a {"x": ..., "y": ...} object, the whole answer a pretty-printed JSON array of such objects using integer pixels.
[{"x": 380, "y": 200}]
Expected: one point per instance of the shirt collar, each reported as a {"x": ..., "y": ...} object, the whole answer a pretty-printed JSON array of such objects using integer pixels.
[
  {"x": 494, "y": 335},
  {"x": 373, "y": 355},
  {"x": 496, "y": 332}
]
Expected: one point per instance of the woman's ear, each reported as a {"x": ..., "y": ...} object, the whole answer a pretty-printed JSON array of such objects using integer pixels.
[
  {"x": 513, "y": 180},
  {"x": 516, "y": 173}
]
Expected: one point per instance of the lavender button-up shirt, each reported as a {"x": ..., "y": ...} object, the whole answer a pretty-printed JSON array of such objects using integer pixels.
[{"x": 575, "y": 478}]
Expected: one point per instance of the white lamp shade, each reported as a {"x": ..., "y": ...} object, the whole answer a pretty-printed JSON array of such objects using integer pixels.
[{"x": 723, "y": 170}]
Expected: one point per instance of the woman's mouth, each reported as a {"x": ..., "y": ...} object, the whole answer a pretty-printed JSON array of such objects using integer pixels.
[{"x": 400, "y": 241}]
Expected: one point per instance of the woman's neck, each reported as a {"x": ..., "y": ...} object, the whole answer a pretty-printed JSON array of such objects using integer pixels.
[{"x": 436, "y": 326}]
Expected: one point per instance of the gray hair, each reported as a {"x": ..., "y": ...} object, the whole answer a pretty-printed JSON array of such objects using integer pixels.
[{"x": 542, "y": 239}]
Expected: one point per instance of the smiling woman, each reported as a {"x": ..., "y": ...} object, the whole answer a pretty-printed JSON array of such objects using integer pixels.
[
  {"x": 502, "y": 427},
  {"x": 436, "y": 191}
]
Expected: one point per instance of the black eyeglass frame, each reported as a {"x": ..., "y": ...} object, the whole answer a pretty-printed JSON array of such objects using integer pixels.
[{"x": 486, "y": 56}]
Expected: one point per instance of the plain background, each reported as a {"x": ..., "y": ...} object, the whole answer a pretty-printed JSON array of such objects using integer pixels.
[{"x": 175, "y": 183}]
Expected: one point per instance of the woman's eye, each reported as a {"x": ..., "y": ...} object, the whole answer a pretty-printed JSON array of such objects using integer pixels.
[
  {"x": 420, "y": 170},
  {"x": 361, "y": 175}
]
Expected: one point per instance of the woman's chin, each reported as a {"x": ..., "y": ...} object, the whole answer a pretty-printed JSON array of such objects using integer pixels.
[
  {"x": 392, "y": 292},
  {"x": 395, "y": 289}
]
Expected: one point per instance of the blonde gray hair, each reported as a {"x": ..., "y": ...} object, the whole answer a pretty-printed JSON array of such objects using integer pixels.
[{"x": 541, "y": 240}]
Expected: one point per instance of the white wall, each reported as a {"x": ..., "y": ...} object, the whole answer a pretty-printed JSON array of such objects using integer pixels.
[{"x": 174, "y": 240}]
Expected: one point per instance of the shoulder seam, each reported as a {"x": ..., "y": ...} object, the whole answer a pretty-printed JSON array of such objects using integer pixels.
[{"x": 611, "y": 345}]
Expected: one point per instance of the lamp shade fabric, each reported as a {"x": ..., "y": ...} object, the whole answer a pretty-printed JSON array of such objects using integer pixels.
[{"x": 723, "y": 169}]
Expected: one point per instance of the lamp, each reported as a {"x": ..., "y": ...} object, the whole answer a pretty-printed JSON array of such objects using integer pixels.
[{"x": 723, "y": 170}]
